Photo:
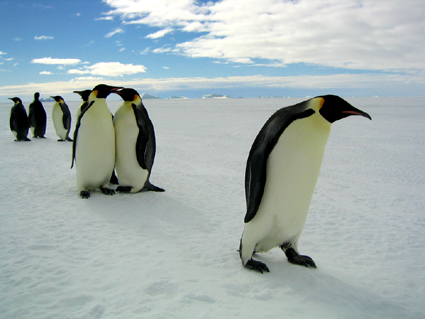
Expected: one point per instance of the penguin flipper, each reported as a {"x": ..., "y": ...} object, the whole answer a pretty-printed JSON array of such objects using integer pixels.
[
  {"x": 66, "y": 118},
  {"x": 142, "y": 139},
  {"x": 264, "y": 143}
]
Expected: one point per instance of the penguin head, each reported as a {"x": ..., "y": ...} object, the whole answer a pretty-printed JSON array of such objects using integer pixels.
[
  {"x": 36, "y": 96},
  {"x": 335, "y": 108},
  {"x": 101, "y": 91},
  {"x": 129, "y": 95},
  {"x": 57, "y": 98},
  {"x": 16, "y": 100},
  {"x": 84, "y": 94}
]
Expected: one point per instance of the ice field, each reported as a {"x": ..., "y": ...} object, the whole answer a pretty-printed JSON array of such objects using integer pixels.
[{"x": 174, "y": 254}]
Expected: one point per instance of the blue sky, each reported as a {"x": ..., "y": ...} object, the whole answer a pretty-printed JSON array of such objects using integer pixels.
[{"x": 242, "y": 48}]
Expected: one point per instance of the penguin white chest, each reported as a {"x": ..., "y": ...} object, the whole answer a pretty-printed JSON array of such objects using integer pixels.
[
  {"x": 95, "y": 149},
  {"x": 129, "y": 172},
  {"x": 293, "y": 168},
  {"x": 57, "y": 116}
]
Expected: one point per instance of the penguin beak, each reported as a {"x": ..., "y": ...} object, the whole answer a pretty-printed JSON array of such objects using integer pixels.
[
  {"x": 358, "y": 112},
  {"x": 115, "y": 89}
]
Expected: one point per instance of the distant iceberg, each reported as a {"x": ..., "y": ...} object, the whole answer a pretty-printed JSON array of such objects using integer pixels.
[
  {"x": 172, "y": 97},
  {"x": 49, "y": 99},
  {"x": 147, "y": 96},
  {"x": 215, "y": 96}
]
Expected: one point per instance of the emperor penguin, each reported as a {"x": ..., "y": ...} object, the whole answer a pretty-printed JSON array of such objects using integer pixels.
[
  {"x": 18, "y": 120},
  {"x": 85, "y": 97},
  {"x": 37, "y": 117},
  {"x": 135, "y": 144},
  {"x": 61, "y": 119},
  {"x": 281, "y": 174},
  {"x": 93, "y": 148}
]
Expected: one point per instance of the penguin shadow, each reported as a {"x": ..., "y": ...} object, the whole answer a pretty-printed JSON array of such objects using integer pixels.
[
  {"x": 331, "y": 292},
  {"x": 139, "y": 209}
]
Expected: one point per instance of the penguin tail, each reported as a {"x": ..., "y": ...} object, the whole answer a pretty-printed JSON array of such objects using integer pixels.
[{"x": 149, "y": 187}]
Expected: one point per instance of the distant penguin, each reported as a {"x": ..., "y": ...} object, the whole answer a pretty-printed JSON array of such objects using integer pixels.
[
  {"x": 281, "y": 174},
  {"x": 61, "y": 119},
  {"x": 18, "y": 120},
  {"x": 85, "y": 97},
  {"x": 135, "y": 144},
  {"x": 37, "y": 117},
  {"x": 94, "y": 144}
]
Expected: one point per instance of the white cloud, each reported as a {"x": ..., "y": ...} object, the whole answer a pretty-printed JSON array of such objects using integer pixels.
[
  {"x": 337, "y": 81},
  {"x": 166, "y": 67},
  {"x": 2, "y": 53},
  {"x": 145, "y": 51},
  {"x": 17, "y": 39},
  {"x": 110, "y": 69},
  {"x": 112, "y": 33},
  {"x": 44, "y": 37},
  {"x": 351, "y": 34},
  {"x": 159, "y": 34},
  {"x": 87, "y": 78},
  {"x": 45, "y": 73},
  {"x": 162, "y": 50},
  {"x": 122, "y": 49},
  {"x": 107, "y": 18},
  {"x": 49, "y": 60}
]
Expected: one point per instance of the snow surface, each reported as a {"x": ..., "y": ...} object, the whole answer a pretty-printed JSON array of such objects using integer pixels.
[{"x": 173, "y": 254}]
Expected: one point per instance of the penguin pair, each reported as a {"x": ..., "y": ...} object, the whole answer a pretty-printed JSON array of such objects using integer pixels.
[
  {"x": 281, "y": 174},
  {"x": 18, "y": 120},
  {"x": 37, "y": 117},
  {"x": 99, "y": 146},
  {"x": 61, "y": 119}
]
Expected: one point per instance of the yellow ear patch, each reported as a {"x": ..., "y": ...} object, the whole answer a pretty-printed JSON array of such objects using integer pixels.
[
  {"x": 135, "y": 97},
  {"x": 95, "y": 93},
  {"x": 321, "y": 102}
]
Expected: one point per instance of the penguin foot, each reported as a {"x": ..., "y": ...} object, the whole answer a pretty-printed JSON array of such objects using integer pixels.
[
  {"x": 69, "y": 139},
  {"x": 85, "y": 194},
  {"x": 297, "y": 259},
  {"x": 257, "y": 265},
  {"x": 61, "y": 140},
  {"x": 124, "y": 189},
  {"x": 107, "y": 191}
]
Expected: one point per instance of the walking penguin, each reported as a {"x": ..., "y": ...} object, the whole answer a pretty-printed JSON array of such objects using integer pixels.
[{"x": 281, "y": 174}]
